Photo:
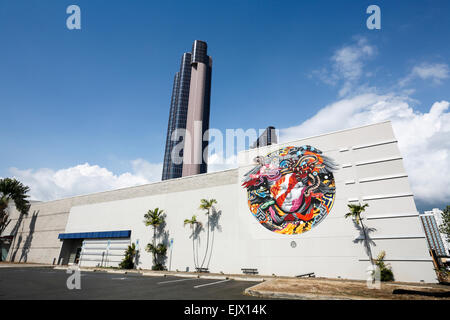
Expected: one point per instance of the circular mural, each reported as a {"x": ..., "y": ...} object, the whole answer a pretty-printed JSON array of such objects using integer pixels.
[{"x": 292, "y": 189}]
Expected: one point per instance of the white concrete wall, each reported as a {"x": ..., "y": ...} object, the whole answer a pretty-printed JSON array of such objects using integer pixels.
[
  {"x": 36, "y": 234},
  {"x": 129, "y": 215},
  {"x": 371, "y": 171}
]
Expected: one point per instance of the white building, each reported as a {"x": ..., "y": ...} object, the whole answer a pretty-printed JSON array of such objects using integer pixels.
[{"x": 370, "y": 171}]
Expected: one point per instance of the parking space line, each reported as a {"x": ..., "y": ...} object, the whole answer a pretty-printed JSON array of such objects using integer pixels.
[
  {"x": 177, "y": 280},
  {"x": 210, "y": 284}
]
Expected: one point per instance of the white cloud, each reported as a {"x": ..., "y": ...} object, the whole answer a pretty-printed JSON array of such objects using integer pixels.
[
  {"x": 347, "y": 66},
  {"x": 217, "y": 162},
  {"x": 424, "y": 138},
  {"x": 436, "y": 72},
  {"x": 348, "y": 61},
  {"x": 47, "y": 184},
  {"x": 147, "y": 170}
]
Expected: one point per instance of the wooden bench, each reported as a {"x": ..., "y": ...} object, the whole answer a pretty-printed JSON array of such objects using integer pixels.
[
  {"x": 249, "y": 271},
  {"x": 309, "y": 275},
  {"x": 202, "y": 270}
]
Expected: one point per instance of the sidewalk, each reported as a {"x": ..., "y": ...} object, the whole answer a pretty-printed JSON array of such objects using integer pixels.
[
  {"x": 336, "y": 289},
  {"x": 5, "y": 264}
]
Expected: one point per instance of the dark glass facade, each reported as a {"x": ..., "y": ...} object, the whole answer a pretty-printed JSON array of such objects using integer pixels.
[
  {"x": 179, "y": 109},
  {"x": 207, "y": 99},
  {"x": 177, "y": 117},
  {"x": 199, "y": 52},
  {"x": 170, "y": 128},
  {"x": 267, "y": 138},
  {"x": 433, "y": 236}
]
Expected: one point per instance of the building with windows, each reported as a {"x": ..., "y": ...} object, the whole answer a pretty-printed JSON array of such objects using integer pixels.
[
  {"x": 282, "y": 211},
  {"x": 431, "y": 221},
  {"x": 267, "y": 138},
  {"x": 189, "y": 111},
  {"x": 177, "y": 118}
]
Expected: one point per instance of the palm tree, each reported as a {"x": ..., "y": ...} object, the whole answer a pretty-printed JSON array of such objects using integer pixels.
[
  {"x": 207, "y": 205},
  {"x": 160, "y": 249},
  {"x": 11, "y": 189},
  {"x": 194, "y": 224},
  {"x": 130, "y": 253},
  {"x": 154, "y": 218},
  {"x": 355, "y": 214},
  {"x": 445, "y": 226},
  {"x": 386, "y": 273}
]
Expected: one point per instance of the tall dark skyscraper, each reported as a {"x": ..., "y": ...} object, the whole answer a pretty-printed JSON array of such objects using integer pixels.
[
  {"x": 189, "y": 109},
  {"x": 267, "y": 138}
]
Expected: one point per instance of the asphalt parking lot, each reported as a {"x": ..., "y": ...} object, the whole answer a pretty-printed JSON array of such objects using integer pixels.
[{"x": 49, "y": 284}]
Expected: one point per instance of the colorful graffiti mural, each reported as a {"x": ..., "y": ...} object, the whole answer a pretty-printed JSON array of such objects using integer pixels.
[{"x": 291, "y": 190}]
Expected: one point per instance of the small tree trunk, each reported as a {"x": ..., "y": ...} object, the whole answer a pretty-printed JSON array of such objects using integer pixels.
[
  {"x": 212, "y": 246},
  {"x": 207, "y": 243},
  {"x": 154, "y": 246},
  {"x": 366, "y": 240},
  {"x": 193, "y": 247},
  {"x": 197, "y": 250}
]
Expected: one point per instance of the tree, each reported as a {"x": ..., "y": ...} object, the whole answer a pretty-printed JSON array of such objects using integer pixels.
[
  {"x": 207, "y": 205},
  {"x": 386, "y": 273},
  {"x": 195, "y": 225},
  {"x": 445, "y": 226},
  {"x": 155, "y": 218},
  {"x": 355, "y": 214},
  {"x": 127, "y": 262},
  {"x": 11, "y": 189}
]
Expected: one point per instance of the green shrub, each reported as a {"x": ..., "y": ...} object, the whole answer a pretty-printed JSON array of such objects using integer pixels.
[
  {"x": 159, "y": 267},
  {"x": 159, "y": 255},
  {"x": 386, "y": 273},
  {"x": 127, "y": 262}
]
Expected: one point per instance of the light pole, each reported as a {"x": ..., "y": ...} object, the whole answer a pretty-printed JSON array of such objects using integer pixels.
[
  {"x": 171, "y": 248},
  {"x": 81, "y": 254},
  {"x": 107, "y": 251},
  {"x": 136, "y": 257}
]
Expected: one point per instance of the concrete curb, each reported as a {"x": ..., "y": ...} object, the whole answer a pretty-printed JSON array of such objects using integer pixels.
[
  {"x": 201, "y": 276},
  {"x": 248, "y": 279},
  {"x": 214, "y": 277},
  {"x": 152, "y": 274},
  {"x": 165, "y": 274},
  {"x": 185, "y": 275},
  {"x": 60, "y": 268},
  {"x": 25, "y": 265}
]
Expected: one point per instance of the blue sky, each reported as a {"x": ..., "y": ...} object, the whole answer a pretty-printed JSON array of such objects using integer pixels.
[{"x": 100, "y": 95}]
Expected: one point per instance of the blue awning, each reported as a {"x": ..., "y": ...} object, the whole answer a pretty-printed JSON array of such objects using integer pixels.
[{"x": 98, "y": 234}]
